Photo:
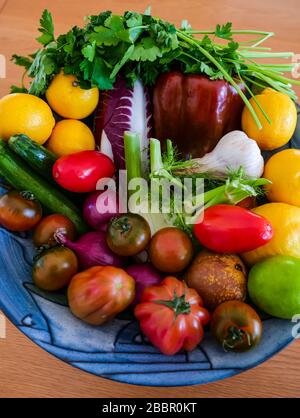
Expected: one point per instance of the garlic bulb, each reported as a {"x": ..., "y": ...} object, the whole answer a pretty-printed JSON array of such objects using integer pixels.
[{"x": 234, "y": 150}]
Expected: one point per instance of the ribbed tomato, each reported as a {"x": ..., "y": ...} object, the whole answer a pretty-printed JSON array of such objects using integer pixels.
[
  {"x": 100, "y": 293},
  {"x": 172, "y": 316}
]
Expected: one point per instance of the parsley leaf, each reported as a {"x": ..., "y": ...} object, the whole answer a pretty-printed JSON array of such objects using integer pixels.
[
  {"x": 89, "y": 51},
  {"x": 46, "y": 29},
  {"x": 16, "y": 89},
  {"x": 224, "y": 31},
  {"x": 22, "y": 61},
  {"x": 101, "y": 75},
  {"x": 43, "y": 67},
  {"x": 98, "y": 20},
  {"x": 146, "y": 50},
  {"x": 111, "y": 33},
  {"x": 128, "y": 55},
  {"x": 133, "y": 19}
]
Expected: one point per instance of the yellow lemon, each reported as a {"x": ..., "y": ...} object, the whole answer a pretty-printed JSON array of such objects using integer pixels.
[
  {"x": 285, "y": 220},
  {"x": 69, "y": 100},
  {"x": 70, "y": 136},
  {"x": 283, "y": 170},
  {"x": 283, "y": 114},
  {"x": 22, "y": 113}
]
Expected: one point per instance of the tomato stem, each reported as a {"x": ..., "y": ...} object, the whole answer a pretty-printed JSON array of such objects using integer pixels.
[
  {"x": 235, "y": 337},
  {"x": 27, "y": 195},
  {"x": 179, "y": 305},
  {"x": 40, "y": 251},
  {"x": 122, "y": 224}
]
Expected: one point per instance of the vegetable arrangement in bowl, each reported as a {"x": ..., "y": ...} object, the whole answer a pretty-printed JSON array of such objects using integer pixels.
[{"x": 135, "y": 157}]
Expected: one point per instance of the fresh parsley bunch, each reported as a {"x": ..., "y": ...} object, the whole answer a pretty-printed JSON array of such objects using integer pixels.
[
  {"x": 140, "y": 46},
  {"x": 96, "y": 53}
]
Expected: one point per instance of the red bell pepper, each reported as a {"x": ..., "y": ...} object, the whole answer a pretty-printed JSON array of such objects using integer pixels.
[
  {"x": 194, "y": 111},
  {"x": 172, "y": 316},
  {"x": 232, "y": 229}
]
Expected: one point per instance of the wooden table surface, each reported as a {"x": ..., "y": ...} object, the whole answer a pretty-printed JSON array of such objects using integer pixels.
[{"x": 25, "y": 369}]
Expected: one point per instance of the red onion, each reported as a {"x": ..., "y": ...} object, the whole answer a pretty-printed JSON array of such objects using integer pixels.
[
  {"x": 145, "y": 275},
  {"x": 99, "y": 207},
  {"x": 92, "y": 250}
]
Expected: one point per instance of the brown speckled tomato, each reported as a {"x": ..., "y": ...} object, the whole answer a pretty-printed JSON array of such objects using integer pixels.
[
  {"x": 45, "y": 231},
  {"x": 236, "y": 326},
  {"x": 54, "y": 268},
  {"x": 128, "y": 235},
  {"x": 171, "y": 250},
  {"x": 19, "y": 212}
]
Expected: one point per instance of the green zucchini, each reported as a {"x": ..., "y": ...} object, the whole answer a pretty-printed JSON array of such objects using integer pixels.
[
  {"x": 36, "y": 156},
  {"x": 22, "y": 178}
]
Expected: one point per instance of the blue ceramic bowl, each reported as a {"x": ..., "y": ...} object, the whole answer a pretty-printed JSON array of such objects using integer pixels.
[{"x": 116, "y": 350}]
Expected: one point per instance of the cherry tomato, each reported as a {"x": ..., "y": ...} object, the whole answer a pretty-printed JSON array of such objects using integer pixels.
[
  {"x": 45, "y": 231},
  {"x": 236, "y": 326},
  {"x": 80, "y": 172},
  {"x": 19, "y": 211},
  {"x": 128, "y": 234},
  {"x": 100, "y": 293},
  {"x": 171, "y": 250},
  {"x": 54, "y": 268}
]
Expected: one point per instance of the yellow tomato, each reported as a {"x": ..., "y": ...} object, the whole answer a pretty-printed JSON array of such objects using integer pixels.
[
  {"x": 70, "y": 136},
  {"x": 69, "y": 100},
  {"x": 283, "y": 114},
  {"x": 283, "y": 170},
  {"x": 22, "y": 113},
  {"x": 285, "y": 220}
]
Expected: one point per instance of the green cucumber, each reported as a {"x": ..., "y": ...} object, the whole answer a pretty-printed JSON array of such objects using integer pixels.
[
  {"x": 36, "y": 156},
  {"x": 40, "y": 160},
  {"x": 22, "y": 178}
]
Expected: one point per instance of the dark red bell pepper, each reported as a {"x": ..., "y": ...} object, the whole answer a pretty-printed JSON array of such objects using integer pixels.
[
  {"x": 194, "y": 111},
  {"x": 232, "y": 229}
]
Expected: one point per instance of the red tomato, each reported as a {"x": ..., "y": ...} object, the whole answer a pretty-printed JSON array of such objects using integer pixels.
[
  {"x": 81, "y": 171},
  {"x": 100, "y": 293},
  {"x": 232, "y": 229},
  {"x": 236, "y": 326},
  {"x": 44, "y": 233},
  {"x": 171, "y": 250},
  {"x": 172, "y": 316}
]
